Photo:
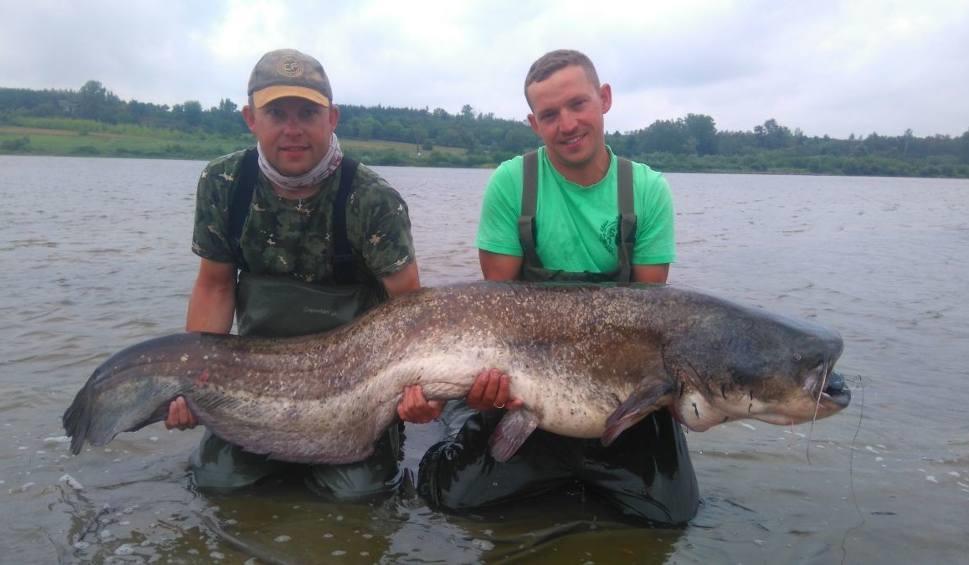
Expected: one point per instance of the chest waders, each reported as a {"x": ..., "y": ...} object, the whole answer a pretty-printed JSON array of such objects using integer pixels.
[
  {"x": 279, "y": 306},
  {"x": 532, "y": 268},
  {"x": 646, "y": 474}
]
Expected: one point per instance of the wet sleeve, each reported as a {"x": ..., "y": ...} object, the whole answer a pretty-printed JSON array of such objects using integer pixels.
[
  {"x": 655, "y": 237},
  {"x": 383, "y": 237},
  {"x": 210, "y": 237},
  {"x": 500, "y": 209}
]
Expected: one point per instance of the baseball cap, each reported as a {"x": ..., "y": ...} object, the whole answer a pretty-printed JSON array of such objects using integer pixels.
[{"x": 287, "y": 72}]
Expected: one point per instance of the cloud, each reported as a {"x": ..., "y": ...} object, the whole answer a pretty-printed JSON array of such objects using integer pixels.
[{"x": 825, "y": 67}]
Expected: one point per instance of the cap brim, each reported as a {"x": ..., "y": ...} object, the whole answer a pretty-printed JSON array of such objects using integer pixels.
[{"x": 266, "y": 95}]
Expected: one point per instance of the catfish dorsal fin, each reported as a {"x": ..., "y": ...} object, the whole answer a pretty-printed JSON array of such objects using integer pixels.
[
  {"x": 648, "y": 397},
  {"x": 512, "y": 431}
]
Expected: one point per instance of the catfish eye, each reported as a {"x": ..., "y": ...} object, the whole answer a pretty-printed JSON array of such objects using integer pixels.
[{"x": 797, "y": 356}]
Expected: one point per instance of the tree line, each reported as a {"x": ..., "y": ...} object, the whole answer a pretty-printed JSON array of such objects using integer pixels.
[{"x": 691, "y": 143}]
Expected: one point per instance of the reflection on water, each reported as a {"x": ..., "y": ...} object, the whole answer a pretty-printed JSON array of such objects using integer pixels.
[{"x": 95, "y": 256}]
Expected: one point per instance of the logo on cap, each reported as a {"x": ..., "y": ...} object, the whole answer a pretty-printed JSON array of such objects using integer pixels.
[{"x": 290, "y": 67}]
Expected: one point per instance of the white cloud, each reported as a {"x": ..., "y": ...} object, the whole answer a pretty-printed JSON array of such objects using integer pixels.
[{"x": 825, "y": 67}]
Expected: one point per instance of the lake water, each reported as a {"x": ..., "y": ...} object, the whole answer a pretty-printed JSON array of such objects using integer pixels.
[{"x": 95, "y": 256}]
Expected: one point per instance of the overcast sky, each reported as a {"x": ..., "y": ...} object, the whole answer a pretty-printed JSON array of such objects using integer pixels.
[{"x": 834, "y": 68}]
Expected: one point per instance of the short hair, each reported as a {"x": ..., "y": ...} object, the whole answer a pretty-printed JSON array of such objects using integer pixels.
[{"x": 557, "y": 60}]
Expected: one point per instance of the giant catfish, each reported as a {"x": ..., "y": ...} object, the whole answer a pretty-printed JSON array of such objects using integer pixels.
[{"x": 587, "y": 360}]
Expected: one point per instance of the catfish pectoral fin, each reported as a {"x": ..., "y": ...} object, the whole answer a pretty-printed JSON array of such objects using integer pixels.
[
  {"x": 512, "y": 431},
  {"x": 649, "y": 396}
]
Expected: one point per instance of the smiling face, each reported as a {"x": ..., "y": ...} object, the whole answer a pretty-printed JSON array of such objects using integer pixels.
[
  {"x": 567, "y": 113},
  {"x": 294, "y": 133}
]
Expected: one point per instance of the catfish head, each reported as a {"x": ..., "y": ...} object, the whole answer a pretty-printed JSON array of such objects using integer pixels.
[{"x": 732, "y": 362}]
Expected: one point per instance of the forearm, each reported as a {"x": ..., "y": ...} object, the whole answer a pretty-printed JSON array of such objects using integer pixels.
[
  {"x": 216, "y": 317},
  {"x": 212, "y": 305},
  {"x": 403, "y": 281},
  {"x": 498, "y": 267},
  {"x": 210, "y": 309},
  {"x": 651, "y": 273}
]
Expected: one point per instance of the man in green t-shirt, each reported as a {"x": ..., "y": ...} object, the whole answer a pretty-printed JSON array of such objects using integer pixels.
[
  {"x": 269, "y": 225},
  {"x": 564, "y": 213}
]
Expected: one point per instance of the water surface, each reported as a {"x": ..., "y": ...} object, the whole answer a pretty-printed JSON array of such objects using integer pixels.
[{"x": 95, "y": 256}]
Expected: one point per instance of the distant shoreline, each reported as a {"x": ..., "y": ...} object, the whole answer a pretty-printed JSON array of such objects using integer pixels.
[{"x": 148, "y": 143}]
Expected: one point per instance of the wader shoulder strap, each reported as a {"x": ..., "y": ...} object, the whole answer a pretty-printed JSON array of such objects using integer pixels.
[
  {"x": 625, "y": 235},
  {"x": 342, "y": 252},
  {"x": 526, "y": 222},
  {"x": 245, "y": 183},
  {"x": 627, "y": 220}
]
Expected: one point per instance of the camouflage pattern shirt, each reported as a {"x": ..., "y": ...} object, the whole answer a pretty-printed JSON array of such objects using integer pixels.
[{"x": 293, "y": 237}]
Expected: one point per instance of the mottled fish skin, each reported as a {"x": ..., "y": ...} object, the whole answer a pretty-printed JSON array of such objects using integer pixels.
[{"x": 587, "y": 360}]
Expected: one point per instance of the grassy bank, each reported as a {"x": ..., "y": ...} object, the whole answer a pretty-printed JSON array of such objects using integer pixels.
[
  {"x": 91, "y": 139},
  {"x": 73, "y": 137}
]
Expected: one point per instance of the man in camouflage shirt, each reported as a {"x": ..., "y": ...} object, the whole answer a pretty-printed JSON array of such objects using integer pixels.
[
  {"x": 292, "y": 237},
  {"x": 287, "y": 239}
]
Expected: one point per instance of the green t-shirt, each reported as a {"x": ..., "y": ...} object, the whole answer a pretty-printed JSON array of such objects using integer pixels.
[
  {"x": 576, "y": 225},
  {"x": 289, "y": 237}
]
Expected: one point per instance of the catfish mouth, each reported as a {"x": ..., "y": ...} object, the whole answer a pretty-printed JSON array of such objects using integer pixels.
[
  {"x": 835, "y": 391},
  {"x": 827, "y": 388}
]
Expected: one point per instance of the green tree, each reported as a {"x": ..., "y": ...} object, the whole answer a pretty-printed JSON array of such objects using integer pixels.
[
  {"x": 95, "y": 102},
  {"x": 192, "y": 113},
  {"x": 964, "y": 147},
  {"x": 393, "y": 130},
  {"x": 703, "y": 130},
  {"x": 518, "y": 140},
  {"x": 772, "y": 135},
  {"x": 225, "y": 119},
  {"x": 227, "y": 106},
  {"x": 667, "y": 136},
  {"x": 419, "y": 134}
]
